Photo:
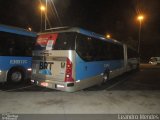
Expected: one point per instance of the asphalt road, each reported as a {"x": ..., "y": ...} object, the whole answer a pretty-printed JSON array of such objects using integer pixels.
[
  {"x": 133, "y": 93},
  {"x": 148, "y": 78}
]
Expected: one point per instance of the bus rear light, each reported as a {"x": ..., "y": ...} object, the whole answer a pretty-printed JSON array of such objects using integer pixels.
[
  {"x": 44, "y": 84},
  {"x": 68, "y": 76},
  {"x": 68, "y": 70},
  {"x": 69, "y": 66}
]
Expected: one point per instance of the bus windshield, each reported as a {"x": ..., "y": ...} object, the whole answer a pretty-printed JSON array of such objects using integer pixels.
[{"x": 56, "y": 41}]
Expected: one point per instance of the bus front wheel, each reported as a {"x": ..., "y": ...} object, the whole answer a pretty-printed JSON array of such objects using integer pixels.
[{"x": 15, "y": 76}]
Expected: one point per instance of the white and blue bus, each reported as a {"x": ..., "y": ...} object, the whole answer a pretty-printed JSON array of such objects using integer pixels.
[
  {"x": 72, "y": 59},
  {"x": 15, "y": 53}
]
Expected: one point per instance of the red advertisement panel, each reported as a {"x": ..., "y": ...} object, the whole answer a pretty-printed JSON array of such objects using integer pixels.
[{"x": 47, "y": 39}]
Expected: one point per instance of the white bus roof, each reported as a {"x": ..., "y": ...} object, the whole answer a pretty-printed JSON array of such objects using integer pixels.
[{"x": 79, "y": 30}]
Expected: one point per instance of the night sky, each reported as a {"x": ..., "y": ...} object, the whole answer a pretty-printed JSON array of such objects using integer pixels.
[{"x": 117, "y": 17}]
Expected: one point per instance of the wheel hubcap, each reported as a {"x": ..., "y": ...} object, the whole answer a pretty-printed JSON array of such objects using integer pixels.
[{"x": 16, "y": 76}]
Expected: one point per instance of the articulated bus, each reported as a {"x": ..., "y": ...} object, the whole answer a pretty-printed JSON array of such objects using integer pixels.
[
  {"x": 72, "y": 59},
  {"x": 15, "y": 53}
]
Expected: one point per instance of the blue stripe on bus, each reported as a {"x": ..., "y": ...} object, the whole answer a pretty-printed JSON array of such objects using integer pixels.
[
  {"x": 8, "y": 62},
  {"x": 18, "y": 31},
  {"x": 86, "y": 70}
]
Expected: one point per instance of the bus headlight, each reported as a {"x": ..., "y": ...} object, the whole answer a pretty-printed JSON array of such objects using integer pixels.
[{"x": 29, "y": 69}]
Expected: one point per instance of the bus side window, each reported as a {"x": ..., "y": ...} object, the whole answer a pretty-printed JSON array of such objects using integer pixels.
[
  {"x": 65, "y": 41},
  {"x": 98, "y": 50},
  {"x": 83, "y": 47},
  {"x": 107, "y": 51},
  {"x": 90, "y": 49},
  {"x": 11, "y": 47}
]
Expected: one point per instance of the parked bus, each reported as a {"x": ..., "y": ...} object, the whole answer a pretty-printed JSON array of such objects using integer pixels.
[
  {"x": 15, "y": 53},
  {"x": 72, "y": 59}
]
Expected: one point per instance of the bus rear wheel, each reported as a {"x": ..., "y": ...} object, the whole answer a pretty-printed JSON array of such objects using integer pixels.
[{"x": 15, "y": 76}]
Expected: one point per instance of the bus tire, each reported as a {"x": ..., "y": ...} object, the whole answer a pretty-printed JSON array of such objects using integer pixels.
[
  {"x": 105, "y": 77},
  {"x": 15, "y": 76}
]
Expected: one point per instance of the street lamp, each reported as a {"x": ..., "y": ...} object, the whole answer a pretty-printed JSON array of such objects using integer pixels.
[
  {"x": 29, "y": 28},
  {"x": 42, "y": 8},
  {"x": 108, "y": 36},
  {"x": 140, "y": 18}
]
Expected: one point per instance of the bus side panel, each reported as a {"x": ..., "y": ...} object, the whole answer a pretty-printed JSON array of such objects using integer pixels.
[
  {"x": 85, "y": 70},
  {"x": 6, "y": 63}
]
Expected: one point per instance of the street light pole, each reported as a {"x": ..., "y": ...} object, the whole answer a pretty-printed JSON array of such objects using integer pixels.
[
  {"x": 46, "y": 14},
  {"x": 139, "y": 38},
  {"x": 42, "y": 8},
  {"x": 41, "y": 21},
  {"x": 140, "y": 19}
]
